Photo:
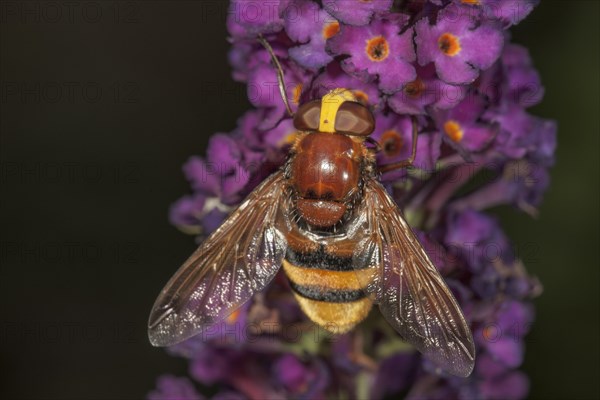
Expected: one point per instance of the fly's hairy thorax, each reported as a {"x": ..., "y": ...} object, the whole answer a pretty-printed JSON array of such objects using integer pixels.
[{"x": 325, "y": 175}]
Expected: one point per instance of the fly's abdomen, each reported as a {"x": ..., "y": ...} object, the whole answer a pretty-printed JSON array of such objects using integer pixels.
[{"x": 327, "y": 287}]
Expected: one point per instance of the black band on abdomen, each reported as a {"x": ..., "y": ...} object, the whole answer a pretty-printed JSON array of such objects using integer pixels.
[
  {"x": 329, "y": 295},
  {"x": 320, "y": 260}
]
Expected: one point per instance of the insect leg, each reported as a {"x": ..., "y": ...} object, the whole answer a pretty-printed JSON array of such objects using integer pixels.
[
  {"x": 279, "y": 71},
  {"x": 375, "y": 143},
  {"x": 409, "y": 161}
]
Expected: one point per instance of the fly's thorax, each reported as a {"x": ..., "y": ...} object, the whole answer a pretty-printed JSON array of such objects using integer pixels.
[
  {"x": 326, "y": 166},
  {"x": 325, "y": 173}
]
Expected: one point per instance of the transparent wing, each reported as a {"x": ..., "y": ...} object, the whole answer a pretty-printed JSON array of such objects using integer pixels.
[
  {"x": 237, "y": 260},
  {"x": 412, "y": 295}
]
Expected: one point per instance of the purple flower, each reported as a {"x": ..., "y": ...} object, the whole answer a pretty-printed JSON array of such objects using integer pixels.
[
  {"x": 477, "y": 239},
  {"x": 444, "y": 63},
  {"x": 426, "y": 91},
  {"x": 334, "y": 77},
  {"x": 523, "y": 85},
  {"x": 213, "y": 365},
  {"x": 487, "y": 367},
  {"x": 306, "y": 22},
  {"x": 213, "y": 219},
  {"x": 487, "y": 283},
  {"x": 169, "y": 387},
  {"x": 501, "y": 340},
  {"x": 263, "y": 91},
  {"x": 223, "y": 174},
  {"x": 394, "y": 134},
  {"x": 395, "y": 374},
  {"x": 513, "y": 81},
  {"x": 187, "y": 212},
  {"x": 378, "y": 49},
  {"x": 228, "y": 395},
  {"x": 343, "y": 354},
  {"x": 517, "y": 131},
  {"x": 219, "y": 179},
  {"x": 356, "y": 12},
  {"x": 509, "y": 12},
  {"x": 505, "y": 350},
  {"x": 523, "y": 134},
  {"x": 461, "y": 126},
  {"x": 248, "y": 18},
  {"x": 246, "y": 56},
  {"x": 457, "y": 46},
  {"x": 522, "y": 183},
  {"x": 299, "y": 379},
  {"x": 262, "y": 147},
  {"x": 512, "y": 386}
]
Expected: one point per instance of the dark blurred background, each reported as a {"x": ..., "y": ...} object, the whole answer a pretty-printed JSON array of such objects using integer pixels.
[{"x": 101, "y": 103}]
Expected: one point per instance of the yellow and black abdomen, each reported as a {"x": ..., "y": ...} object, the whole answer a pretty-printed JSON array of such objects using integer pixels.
[{"x": 330, "y": 292}]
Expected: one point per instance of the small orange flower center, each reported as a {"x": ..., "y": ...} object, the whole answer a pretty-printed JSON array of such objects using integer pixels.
[
  {"x": 331, "y": 29},
  {"x": 490, "y": 333},
  {"x": 449, "y": 44},
  {"x": 297, "y": 93},
  {"x": 453, "y": 130},
  {"x": 361, "y": 96},
  {"x": 415, "y": 88},
  {"x": 233, "y": 317},
  {"x": 471, "y": 2},
  {"x": 377, "y": 49},
  {"x": 392, "y": 143}
]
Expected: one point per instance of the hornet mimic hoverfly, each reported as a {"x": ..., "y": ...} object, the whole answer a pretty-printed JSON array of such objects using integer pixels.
[{"x": 340, "y": 237}]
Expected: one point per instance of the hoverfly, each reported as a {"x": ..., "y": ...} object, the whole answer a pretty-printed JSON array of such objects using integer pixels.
[{"x": 340, "y": 237}]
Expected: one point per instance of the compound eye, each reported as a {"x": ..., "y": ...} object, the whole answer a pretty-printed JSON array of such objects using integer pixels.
[
  {"x": 353, "y": 118},
  {"x": 308, "y": 115}
]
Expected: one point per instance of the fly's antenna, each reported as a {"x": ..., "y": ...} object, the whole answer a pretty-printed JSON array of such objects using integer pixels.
[{"x": 279, "y": 72}]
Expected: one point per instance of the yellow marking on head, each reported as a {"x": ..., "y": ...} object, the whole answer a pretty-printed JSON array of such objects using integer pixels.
[{"x": 330, "y": 104}]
